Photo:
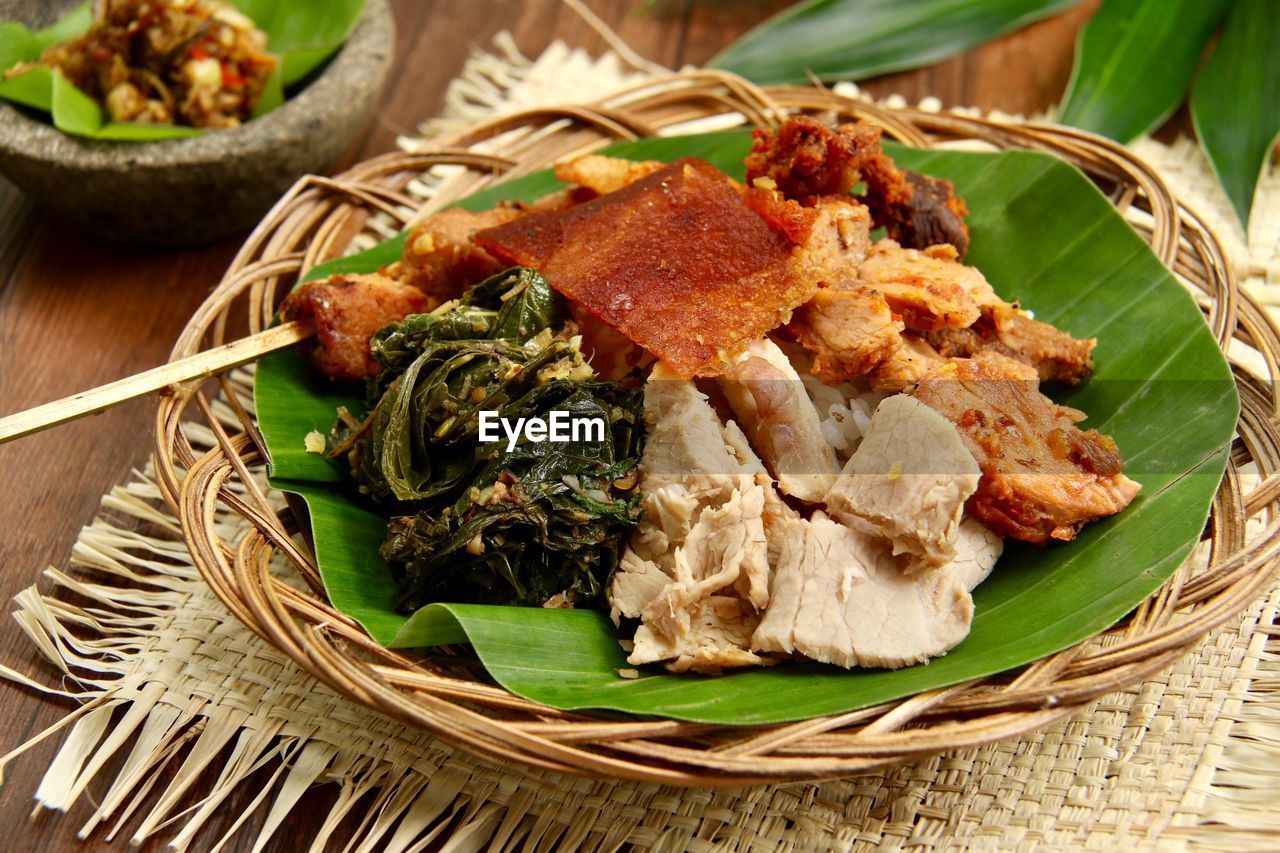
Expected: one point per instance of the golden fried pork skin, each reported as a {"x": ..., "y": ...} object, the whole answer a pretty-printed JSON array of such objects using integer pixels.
[
  {"x": 807, "y": 161},
  {"x": 347, "y": 310},
  {"x": 602, "y": 174},
  {"x": 1043, "y": 477},
  {"x": 676, "y": 261},
  {"x": 441, "y": 260}
]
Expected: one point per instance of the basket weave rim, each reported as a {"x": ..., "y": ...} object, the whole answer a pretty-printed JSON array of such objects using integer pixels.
[{"x": 316, "y": 220}]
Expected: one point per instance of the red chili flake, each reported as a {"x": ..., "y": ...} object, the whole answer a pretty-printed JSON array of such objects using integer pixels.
[
  {"x": 231, "y": 77},
  {"x": 100, "y": 54}
]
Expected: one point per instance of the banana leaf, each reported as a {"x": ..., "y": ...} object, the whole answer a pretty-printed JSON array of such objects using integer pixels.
[
  {"x": 302, "y": 34},
  {"x": 1235, "y": 103},
  {"x": 1134, "y": 61},
  {"x": 855, "y": 39},
  {"x": 1042, "y": 233}
]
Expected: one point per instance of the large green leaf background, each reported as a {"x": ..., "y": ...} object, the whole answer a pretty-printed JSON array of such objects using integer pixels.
[
  {"x": 853, "y": 39},
  {"x": 1134, "y": 62},
  {"x": 1042, "y": 233},
  {"x": 1236, "y": 100}
]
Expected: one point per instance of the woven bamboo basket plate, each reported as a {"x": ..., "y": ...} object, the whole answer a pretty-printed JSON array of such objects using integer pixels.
[{"x": 316, "y": 221}]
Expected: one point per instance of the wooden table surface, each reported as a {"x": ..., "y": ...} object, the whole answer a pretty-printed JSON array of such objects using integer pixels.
[{"x": 76, "y": 312}]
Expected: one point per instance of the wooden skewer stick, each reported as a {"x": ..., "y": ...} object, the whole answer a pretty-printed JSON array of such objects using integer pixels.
[{"x": 200, "y": 366}]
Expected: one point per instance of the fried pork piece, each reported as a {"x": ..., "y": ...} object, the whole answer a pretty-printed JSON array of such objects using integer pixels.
[
  {"x": 1003, "y": 329},
  {"x": 602, "y": 174},
  {"x": 1042, "y": 477},
  {"x": 849, "y": 332},
  {"x": 441, "y": 260},
  {"x": 808, "y": 161},
  {"x": 768, "y": 397},
  {"x": 836, "y": 243},
  {"x": 905, "y": 366},
  {"x": 934, "y": 214},
  {"x": 677, "y": 262},
  {"x": 910, "y": 308},
  {"x": 907, "y": 483},
  {"x": 347, "y": 310},
  {"x": 929, "y": 289},
  {"x": 955, "y": 309},
  {"x": 838, "y": 596}
]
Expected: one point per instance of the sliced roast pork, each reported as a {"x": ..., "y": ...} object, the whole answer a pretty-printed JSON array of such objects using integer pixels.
[
  {"x": 839, "y": 596},
  {"x": 907, "y": 482},
  {"x": 696, "y": 572},
  {"x": 770, "y": 401}
]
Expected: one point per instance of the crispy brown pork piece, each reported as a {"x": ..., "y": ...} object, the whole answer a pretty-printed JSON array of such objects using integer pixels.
[
  {"x": 441, "y": 260},
  {"x": 807, "y": 161},
  {"x": 850, "y": 333},
  {"x": 929, "y": 289},
  {"x": 1003, "y": 329},
  {"x": 683, "y": 262},
  {"x": 946, "y": 310},
  {"x": 1043, "y": 477},
  {"x": 905, "y": 366},
  {"x": 346, "y": 311},
  {"x": 933, "y": 215}
]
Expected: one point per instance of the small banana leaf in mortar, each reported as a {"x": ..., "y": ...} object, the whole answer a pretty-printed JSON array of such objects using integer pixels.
[{"x": 301, "y": 33}]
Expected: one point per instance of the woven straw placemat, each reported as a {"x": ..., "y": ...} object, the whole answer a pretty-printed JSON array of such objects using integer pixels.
[{"x": 168, "y": 679}]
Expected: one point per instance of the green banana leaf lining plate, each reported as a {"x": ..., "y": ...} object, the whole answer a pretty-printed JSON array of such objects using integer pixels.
[{"x": 1042, "y": 233}]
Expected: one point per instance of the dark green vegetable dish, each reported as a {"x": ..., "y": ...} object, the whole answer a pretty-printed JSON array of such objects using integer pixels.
[{"x": 521, "y": 525}]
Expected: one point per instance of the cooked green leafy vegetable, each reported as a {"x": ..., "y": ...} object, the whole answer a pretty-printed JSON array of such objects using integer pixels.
[{"x": 505, "y": 522}]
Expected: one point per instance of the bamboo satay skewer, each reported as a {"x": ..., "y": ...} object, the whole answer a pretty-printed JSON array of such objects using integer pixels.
[{"x": 200, "y": 366}]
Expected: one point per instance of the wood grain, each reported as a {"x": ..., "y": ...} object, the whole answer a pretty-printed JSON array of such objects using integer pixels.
[{"x": 75, "y": 313}]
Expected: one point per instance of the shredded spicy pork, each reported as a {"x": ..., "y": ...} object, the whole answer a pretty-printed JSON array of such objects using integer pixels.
[
  {"x": 809, "y": 161},
  {"x": 200, "y": 63}
]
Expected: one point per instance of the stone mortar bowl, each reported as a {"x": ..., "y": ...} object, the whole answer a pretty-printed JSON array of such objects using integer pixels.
[{"x": 196, "y": 190}]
